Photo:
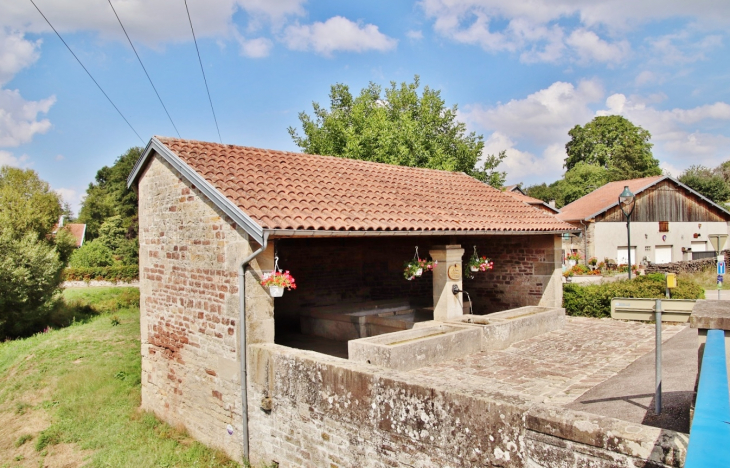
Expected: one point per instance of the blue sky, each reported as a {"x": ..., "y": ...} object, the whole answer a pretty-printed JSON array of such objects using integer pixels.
[{"x": 522, "y": 74}]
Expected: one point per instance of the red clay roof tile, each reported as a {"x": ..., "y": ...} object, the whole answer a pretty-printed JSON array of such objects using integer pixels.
[{"x": 283, "y": 190}]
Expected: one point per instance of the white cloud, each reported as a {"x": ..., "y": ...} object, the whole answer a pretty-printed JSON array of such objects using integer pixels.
[
  {"x": 589, "y": 47},
  {"x": 645, "y": 77},
  {"x": 19, "y": 118},
  {"x": 72, "y": 197},
  {"x": 542, "y": 116},
  {"x": 16, "y": 53},
  {"x": 415, "y": 35},
  {"x": 9, "y": 159},
  {"x": 337, "y": 34},
  {"x": 254, "y": 48},
  {"x": 59, "y": 157},
  {"x": 539, "y": 32}
]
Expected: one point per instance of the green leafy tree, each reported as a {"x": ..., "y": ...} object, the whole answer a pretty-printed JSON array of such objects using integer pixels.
[
  {"x": 396, "y": 127},
  {"x": 707, "y": 182},
  {"x": 27, "y": 203},
  {"x": 614, "y": 143},
  {"x": 65, "y": 244},
  {"x": 29, "y": 277},
  {"x": 92, "y": 254},
  {"x": 109, "y": 196},
  {"x": 581, "y": 180},
  {"x": 488, "y": 173}
]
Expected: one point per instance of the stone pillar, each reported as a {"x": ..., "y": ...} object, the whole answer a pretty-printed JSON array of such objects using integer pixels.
[
  {"x": 446, "y": 305},
  {"x": 711, "y": 315}
]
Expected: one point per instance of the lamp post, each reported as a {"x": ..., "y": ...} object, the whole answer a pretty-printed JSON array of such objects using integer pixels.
[{"x": 627, "y": 200}]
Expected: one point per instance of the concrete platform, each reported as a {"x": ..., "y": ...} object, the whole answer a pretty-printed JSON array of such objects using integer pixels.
[{"x": 561, "y": 366}]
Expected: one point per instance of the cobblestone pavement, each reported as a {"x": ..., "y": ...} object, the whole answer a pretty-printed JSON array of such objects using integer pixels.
[{"x": 559, "y": 366}]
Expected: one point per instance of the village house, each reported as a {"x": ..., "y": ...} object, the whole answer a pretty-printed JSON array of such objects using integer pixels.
[
  {"x": 237, "y": 368},
  {"x": 670, "y": 223}
]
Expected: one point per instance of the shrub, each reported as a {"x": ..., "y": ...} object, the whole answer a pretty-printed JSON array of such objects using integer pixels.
[
  {"x": 29, "y": 280},
  {"x": 594, "y": 300},
  {"x": 122, "y": 273},
  {"x": 92, "y": 254}
]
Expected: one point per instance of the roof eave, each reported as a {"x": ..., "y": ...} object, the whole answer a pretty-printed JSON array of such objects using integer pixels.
[
  {"x": 252, "y": 228},
  {"x": 274, "y": 233}
]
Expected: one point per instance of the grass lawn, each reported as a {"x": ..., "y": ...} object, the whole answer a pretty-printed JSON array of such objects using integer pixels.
[{"x": 70, "y": 397}]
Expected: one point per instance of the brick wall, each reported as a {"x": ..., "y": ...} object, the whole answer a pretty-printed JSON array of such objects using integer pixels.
[
  {"x": 189, "y": 254},
  {"x": 341, "y": 270},
  {"x": 323, "y": 411}
]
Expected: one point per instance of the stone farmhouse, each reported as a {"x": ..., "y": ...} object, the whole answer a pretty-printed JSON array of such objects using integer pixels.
[
  {"x": 670, "y": 222},
  {"x": 239, "y": 369}
]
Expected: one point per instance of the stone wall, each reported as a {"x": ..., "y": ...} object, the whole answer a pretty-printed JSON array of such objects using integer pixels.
[
  {"x": 189, "y": 255},
  {"x": 312, "y": 410},
  {"x": 687, "y": 266},
  {"x": 350, "y": 270}
]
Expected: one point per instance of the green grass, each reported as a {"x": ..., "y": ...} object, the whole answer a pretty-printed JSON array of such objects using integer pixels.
[
  {"x": 86, "y": 377},
  {"x": 708, "y": 279}
]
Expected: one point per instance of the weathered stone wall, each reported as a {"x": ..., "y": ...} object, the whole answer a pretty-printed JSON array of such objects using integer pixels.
[
  {"x": 326, "y": 411},
  {"x": 341, "y": 270},
  {"x": 189, "y": 255},
  {"x": 687, "y": 266}
]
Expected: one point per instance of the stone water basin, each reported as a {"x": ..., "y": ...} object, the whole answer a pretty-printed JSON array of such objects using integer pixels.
[
  {"x": 501, "y": 329},
  {"x": 411, "y": 349}
]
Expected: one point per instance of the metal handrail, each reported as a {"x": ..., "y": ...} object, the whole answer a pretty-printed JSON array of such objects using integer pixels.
[{"x": 709, "y": 440}]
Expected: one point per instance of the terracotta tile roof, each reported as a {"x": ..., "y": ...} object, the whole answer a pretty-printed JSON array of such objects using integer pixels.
[
  {"x": 603, "y": 198},
  {"x": 532, "y": 201},
  {"x": 76, "y": 230},
  {"x": 284, "y": 190}
]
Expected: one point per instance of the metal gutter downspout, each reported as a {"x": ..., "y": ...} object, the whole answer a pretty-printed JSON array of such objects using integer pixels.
[
  {"x": 585, "y": 243},
  {"x": 242, "y": 339}
]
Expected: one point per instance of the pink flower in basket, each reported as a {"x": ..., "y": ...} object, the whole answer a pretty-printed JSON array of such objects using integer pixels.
[{"x": 277, "y": 278}]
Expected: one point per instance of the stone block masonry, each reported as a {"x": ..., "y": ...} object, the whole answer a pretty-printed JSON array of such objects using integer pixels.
[
  {"x": 189, "y": 255},
  {"x": 312, "y": 410}
]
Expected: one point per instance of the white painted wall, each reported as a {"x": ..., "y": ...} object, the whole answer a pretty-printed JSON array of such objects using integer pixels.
[{"x": 609, "y": 237}]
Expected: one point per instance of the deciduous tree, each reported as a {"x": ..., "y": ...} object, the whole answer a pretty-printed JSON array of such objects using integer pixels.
[
  {"x": 614, "y": 143},
  {"x": 395, "y": 127}
]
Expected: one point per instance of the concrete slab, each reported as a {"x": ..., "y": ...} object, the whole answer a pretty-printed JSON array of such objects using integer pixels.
[
  {"x": 629, "y": 395},
  {"x": 560, "y": 366}
]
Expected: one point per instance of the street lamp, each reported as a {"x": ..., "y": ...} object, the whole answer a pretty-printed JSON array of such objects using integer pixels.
[{"x": 627, "y": 200}]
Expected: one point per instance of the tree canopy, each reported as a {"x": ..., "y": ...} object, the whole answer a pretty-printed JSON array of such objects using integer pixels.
[
  {"x": 708, "y": 182},
  {"x": 614, "y": 143},
  {"x": 109, "y": 196},
  {"x": 27, "y": 203},
  {"x": 395, "y": 127}
]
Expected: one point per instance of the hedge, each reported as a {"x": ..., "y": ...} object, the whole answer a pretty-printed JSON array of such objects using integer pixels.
[
  {"x": 594, "y": 300},
  {"x": 124, "y": 273}
]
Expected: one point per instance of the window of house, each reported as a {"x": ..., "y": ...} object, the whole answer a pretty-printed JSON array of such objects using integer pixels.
[
  {"x": 663, "y": 226},
  {"x": 647, "y": 248}
]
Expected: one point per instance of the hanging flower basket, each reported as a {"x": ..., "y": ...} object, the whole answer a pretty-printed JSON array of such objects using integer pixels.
[
  {"x": 477, "y": 264},
  {"x": 417, "y": 267},
  {"x": 276, "y": 281}
]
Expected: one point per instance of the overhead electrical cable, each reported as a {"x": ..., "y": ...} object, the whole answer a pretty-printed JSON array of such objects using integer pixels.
[
  {"x": 87, "y": 72},
  {"x": 202, "y": 70},
  {"x": 143, "y": 68}
]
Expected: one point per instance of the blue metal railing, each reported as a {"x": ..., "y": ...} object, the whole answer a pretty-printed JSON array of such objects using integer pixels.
[{"x": 709, "y": 440}]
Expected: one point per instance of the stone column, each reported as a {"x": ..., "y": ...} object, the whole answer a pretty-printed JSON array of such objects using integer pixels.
[
  {"x": 711, "y": 315},
  {"x": 446, "y": 305}
]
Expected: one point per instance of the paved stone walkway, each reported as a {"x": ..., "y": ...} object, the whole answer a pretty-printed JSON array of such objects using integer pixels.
[{"x": 559, "y": 366}]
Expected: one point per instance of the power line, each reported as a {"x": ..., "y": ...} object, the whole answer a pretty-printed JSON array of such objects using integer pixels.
[
  {"x": 201, "y": 69},
  {"x": 87, "y": 72},
  {"x": 143, "y": 68}
]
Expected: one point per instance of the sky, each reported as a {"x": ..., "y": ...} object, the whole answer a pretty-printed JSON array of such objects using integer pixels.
[{"x": 522, "y": 73}]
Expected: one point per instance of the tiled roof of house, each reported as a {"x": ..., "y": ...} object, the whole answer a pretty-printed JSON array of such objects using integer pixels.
[
  {"x": 604, "y": 198},
  {"x": 294, "y": 191},
  {"x": 76, "y": 230},
  {"x": 531, "y": 201}
]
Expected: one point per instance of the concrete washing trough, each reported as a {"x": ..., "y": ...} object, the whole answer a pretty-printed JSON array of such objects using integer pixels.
[
  {"x": 411, "y": 349},
  {"x": 501, "y": 329}
]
